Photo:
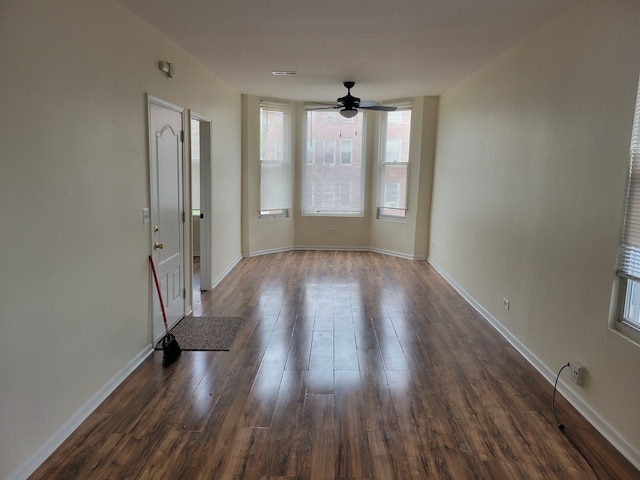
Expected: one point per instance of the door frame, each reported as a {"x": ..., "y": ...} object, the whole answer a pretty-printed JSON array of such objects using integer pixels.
[
  {"x": 186, "y": 190},
  {"x": 206, "y": 204}
]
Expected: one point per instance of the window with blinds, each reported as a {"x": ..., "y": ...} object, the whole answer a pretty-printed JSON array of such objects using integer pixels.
[
  {"x": 395, "y": 137},
  {"x": 275, "y": 164},
  {"x": 629, "y": 251}
]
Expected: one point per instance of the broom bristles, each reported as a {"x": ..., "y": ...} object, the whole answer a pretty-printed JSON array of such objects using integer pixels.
[{"x": 170, "y": 349}]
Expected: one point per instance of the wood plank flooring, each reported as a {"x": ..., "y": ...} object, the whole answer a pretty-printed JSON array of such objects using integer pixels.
[{"x": 349, "y": 365}]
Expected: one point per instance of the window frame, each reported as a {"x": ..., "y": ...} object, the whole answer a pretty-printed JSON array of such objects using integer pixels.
[
  {"x": 623, "y": 324},
  {"x": 384, "y": 211},
  {"x": 359, "y": 124}
]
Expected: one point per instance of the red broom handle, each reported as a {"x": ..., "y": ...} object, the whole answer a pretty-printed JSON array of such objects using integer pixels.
[{"x": 155, "y": 277}]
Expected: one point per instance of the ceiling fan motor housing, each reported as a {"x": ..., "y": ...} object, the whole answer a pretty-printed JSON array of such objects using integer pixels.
[{"x": 349, "y": 101}]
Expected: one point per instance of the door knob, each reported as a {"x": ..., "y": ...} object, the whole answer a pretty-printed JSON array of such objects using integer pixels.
[{"x": 158, "y": 245}]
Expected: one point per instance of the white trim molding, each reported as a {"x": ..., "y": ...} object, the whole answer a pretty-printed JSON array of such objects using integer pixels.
[{"x": 258, "y": 253}]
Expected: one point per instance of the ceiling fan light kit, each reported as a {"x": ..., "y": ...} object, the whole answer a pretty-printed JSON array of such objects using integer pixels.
[
  {"x": 348, "y": 113},
  {"x": 349, "y": 104}
]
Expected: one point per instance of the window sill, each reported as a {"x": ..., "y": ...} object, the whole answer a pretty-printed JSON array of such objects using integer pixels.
[
  {"x": 392, "y": 218},
  {"x": 334, "y": 215},
  {"x": 284, "y": 213},
  {"x": 630, "y": 334}
]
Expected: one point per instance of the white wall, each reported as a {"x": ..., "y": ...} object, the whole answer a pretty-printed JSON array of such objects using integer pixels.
[
  {"x": 530, "y": 172},
  {"x": 75, "y": 290}
]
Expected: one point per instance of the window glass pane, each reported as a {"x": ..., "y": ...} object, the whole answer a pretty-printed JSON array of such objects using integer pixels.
[
  {"x": 393, "y": 151},
  {"x": 398, "y": 134},
  {"x": 346, "y": 146},
  {"x": 333, "y": 179},
  {"x": 395, "y": 186},
  {"x": 632, "y": 303},
  {"x": 310, "y": 151},
  {"x": 394, "y": 157},
  {"x": 329, "y": 150},
  {"x": 275, "y": 179},
  {"x": 345, "y": 194},
  {"x": 391, "y": 193},
  {"x": 396, "y": 117}
]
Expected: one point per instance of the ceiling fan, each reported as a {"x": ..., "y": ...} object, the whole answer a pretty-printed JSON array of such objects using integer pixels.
[{"x": 349, "y": 104}]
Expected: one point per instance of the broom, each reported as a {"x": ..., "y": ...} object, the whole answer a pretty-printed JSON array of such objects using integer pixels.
[{"x": 170, "y": 348}]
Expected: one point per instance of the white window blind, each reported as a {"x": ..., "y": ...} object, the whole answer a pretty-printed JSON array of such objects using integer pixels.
[
  {"x": 275, "y": 164},
  {"x": 333, "y": 185},
  {"x": 629, "y": 252}
]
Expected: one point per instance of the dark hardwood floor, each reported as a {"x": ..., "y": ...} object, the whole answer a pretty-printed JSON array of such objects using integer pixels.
[{"x": 349, "y": 365}]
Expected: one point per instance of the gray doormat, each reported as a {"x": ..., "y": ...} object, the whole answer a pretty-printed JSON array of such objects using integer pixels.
[{"x": 205, "y": 333}]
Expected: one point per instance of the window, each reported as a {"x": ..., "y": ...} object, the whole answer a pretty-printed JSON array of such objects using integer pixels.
[
  {"x": 395, "y": 135},
  {"x": 629, "y": 251},
  {"x": 331, "y": 187},
  {"x": 275, "y": 176}
]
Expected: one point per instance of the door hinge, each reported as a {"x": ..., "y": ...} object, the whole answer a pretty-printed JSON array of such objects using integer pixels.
[
  {"x": 184, "y": 293},
  {"x": 182, "y": 136},
  {"x": 184, "y": 217}
]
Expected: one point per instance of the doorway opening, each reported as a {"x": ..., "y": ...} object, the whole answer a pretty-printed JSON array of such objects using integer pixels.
[{"x": 200, "y": 130}]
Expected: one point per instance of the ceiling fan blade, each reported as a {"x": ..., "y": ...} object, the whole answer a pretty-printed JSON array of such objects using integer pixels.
[
  {"x": 322, "y": 106},
  {"x": 382, "y": 108},
  {"x": 368, "y": 104}
]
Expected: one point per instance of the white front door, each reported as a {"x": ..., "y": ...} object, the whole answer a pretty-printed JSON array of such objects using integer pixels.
[{"x": 166, "y": 137}]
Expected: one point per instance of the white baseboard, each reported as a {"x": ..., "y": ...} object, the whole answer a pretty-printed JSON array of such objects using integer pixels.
[
  {"x": 40, "y": 455},
  {"x": 268, "y": 251},
  {"x": 331, "y": 249},
  {"x": 398, "y": 254},
  {"x": 592, "y": 416}
]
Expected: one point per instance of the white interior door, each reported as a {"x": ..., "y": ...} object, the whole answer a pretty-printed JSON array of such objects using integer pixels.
[{"x": 166, "y": 137}]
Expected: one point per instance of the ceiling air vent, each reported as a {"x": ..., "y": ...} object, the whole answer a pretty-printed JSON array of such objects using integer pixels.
[{"x": 284, "y": 73}]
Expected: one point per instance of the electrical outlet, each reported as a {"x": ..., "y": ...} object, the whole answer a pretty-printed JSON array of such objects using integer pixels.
[
  {"x": 577, "y": 373},
  {"x": 331, "y": 230},
  {"x": 506, "y": 303}
]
